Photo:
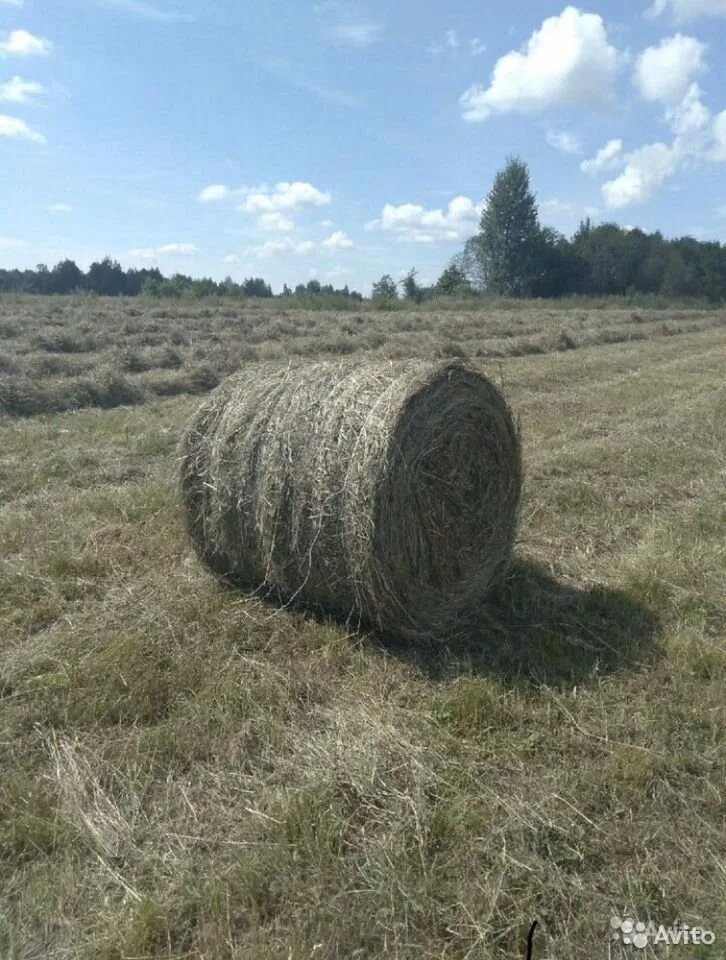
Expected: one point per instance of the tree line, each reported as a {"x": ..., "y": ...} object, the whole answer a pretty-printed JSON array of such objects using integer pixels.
[
  {"x": 511, "y": 255},
  {"x": 108, "y": 278}
]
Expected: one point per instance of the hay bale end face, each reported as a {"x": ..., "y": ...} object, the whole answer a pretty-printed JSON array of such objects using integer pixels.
[{"x": 383, "y": 492}]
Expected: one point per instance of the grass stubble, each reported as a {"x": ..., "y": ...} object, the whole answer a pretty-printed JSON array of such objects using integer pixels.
[{"x": 188, "y": 771}]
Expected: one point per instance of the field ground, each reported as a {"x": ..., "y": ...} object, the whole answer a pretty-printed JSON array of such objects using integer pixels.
[
  {"x": 188, "y": 772},
  {"x": 62, "y": 353}
]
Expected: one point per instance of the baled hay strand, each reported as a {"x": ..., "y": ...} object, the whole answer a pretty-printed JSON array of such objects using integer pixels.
[{"x": 383, "y": 492}]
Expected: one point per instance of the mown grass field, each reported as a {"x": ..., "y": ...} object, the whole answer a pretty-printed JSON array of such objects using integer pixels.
[{"x": 187, "y": 772}]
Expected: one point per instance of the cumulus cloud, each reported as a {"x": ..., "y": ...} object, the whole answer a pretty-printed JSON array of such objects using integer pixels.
[
  {"x": 284, "y": 196},
  {"x": 348, "y": 24},
  {"x": 697, "y": 137},
  {"x": 274, "y": 207},
  {"x": 274, "y": 220},
  {"x": 60, "y": 208},
  {"x": 276, "y": 248},
  {"x": 413, "y": 223},
  {"x": 683, "y": 10},
  {"x": 718, "y": 151},
  {"x": 214, "y": 192},
  {"x": 556, "y": 207},
  {"x": 185, "y": 249},
  {"x": 17, "y": 90},
  {"x": 20, "y": 43},
  {"x": 231, "y": 258},
  {"x": 608, "y": 157},
  {"x": 664, "y": 72},
  {"x": 338, "y": 241},
  {"x": 17, "y": 129},
  {"x": 167, "y": 249},
  {"x": 689, "y": 118},
  {"x": 563, "y": 141},
  {"x": 567, "y": 60},
  {"x": 645, "y": 170}
]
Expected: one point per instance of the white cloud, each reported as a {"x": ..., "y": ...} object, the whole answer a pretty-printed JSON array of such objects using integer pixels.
[
  {"x": 608, "y": 157},
  {"x": 338, "y": 241},
  {"x": 452, "y": 43},
  {"x": 689, "y": 118},
  {"x": 664, "y": 73},
  {"x": 347, "y": 24},
  {"x": 231, "y": 258},
  {"x": 563, "y": 141},
  {"x": 276, "y": 248},
  {"x": 592, "y": 211},
  {"x": 284, "y": 196},
  {"x": 556, "y": 207},
  {"x": 185, "y": 249},
  {"x": 17, "y": 90},
  {"x": 18, "y": 129},
  {"x": 275, "y": 206},
  {"x": 718, "y": 151},
  {"x": 60, "y": 208},
  {"x": 167, "y": 249},
  {"x": 148, "y": 11},
  {"x": 645, "y": 170},
  {"x": 274, "y": 220},
  {"x": 13, "y": 3},
  {"x": 20, "y": 43},
  {"x": 413, "y": 223},
  {"x": 11, "y": 243},
  {"x": 568, "y": 60},
  {"x": 216, "y": 191},
  {"x": 326, "y": 223},
  {"x": 683, "y": 10}
]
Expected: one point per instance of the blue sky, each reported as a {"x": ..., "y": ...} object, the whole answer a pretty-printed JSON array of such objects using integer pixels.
[{"x": 342, "y": 140}]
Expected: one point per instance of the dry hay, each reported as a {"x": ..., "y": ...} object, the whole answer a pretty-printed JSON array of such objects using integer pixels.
[{"x": 384, "y": 492}]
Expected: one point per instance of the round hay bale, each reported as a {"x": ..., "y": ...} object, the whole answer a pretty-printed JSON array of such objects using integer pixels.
[{"x": 384, "y": 492}]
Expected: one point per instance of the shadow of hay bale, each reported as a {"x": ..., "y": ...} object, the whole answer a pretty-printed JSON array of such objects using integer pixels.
[{"x": 534, "y": 629}]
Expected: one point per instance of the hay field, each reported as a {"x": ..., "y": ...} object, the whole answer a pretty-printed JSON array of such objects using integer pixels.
[{"x": 189, "y": 773}]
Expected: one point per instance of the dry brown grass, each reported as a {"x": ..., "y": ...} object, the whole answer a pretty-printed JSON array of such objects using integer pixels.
[
  {"x": 188, "y": 772},
  {"x": 51, "y": 349}
]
